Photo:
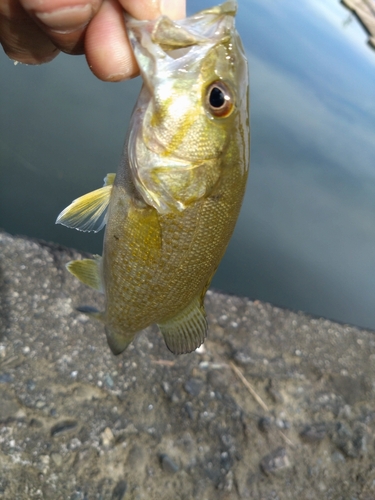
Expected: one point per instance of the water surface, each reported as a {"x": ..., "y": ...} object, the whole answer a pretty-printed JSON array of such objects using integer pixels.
[{"x": 306, "y": 235}]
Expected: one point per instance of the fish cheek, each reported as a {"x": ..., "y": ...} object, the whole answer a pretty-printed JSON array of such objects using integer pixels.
[{"x": 187, "y": 185}]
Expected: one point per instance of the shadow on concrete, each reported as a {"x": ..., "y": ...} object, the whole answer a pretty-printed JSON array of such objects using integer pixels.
[{"x": 4, "y": 302}]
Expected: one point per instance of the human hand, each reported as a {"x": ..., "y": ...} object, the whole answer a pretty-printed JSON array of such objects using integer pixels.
[{"x": 35, "y": 31}]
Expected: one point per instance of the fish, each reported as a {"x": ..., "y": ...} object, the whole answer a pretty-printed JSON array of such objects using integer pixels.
[{"x": 171, "y": 209}]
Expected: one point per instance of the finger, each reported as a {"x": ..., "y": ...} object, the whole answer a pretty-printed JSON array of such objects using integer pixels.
[
  {"x": 63, "y": 21},
  {"x": 175, "y": 9},
  {"x": 107, "y": 47},
  {"x": 151, "y": 9},
  {"x": 21, "y": 38}
]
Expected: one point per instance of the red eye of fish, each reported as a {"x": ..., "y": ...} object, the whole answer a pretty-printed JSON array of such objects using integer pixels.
[{"x": 219, "y": 99}]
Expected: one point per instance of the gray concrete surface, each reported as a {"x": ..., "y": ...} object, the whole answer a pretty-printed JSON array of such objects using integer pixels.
[{"x": 277, "y": 405}]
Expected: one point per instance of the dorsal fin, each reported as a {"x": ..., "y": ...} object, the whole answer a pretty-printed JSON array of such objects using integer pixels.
[
  {"x": 187, "y": 330},
  {"x": 88, "y": 213},
  {"x": 88, "y": 271}
]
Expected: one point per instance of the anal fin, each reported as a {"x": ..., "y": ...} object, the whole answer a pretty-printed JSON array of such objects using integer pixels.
[
  {"x": 187, "y": 330},
  {"x": 88, "y": 271}
]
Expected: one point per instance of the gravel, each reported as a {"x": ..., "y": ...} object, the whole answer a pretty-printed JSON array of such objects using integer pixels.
[{"x": 276, "y": 405}]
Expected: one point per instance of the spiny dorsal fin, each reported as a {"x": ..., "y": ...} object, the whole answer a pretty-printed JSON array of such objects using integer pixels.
[
  {"x": 88, "y": 271},
  {"x": 187, "y": 330},
  {"x": 118, "y": 342},
  {"x": 88, "y": 213}
]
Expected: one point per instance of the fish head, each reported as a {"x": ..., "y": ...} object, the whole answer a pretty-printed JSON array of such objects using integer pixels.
[{"x": 192, "y": 105}]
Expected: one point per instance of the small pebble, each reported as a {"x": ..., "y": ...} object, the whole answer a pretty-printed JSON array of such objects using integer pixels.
[
  {"x": 274, "y": 394},
  {"x": 193, "y": 386},
  {"x": 62, "y": 427},
  {"x": 188, "y": 407},
  {"x": 119, "y": 490},
  {"x": 264, "y": 424},
  {"x": 107, "y": 437},
  {"x": 5, "y": 378},
  {"x": 314, "y": 432},
  {"x": 166, "y": 387},
  {"x": 275, "y": 461},
  {"x": 201, "y": 349},
  {"x": 168, "y": 464},
  {"x": 337, "y": 457},
  {"x": 243, "y": 358},
  {"x": 225, "y": 460},
  {"x": 282, "y": 424},
  {"x": 108, "y": 380},
  {"x": 57, "y": 459},
  {"x": 30, "y": 384}
]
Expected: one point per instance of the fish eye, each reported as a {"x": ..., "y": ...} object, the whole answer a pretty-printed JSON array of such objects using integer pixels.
[{"x": 219, "y": 99}]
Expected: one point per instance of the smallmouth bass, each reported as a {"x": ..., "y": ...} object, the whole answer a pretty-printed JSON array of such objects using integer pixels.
[{"x": 172, "y": 206}]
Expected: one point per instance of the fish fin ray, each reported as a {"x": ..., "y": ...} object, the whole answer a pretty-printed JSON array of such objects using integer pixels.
[
  {"x": 109, "y": 179},
  {"x": 118, "y": 342},
  {"x": 88, "y": 271},
  {"x": 187, "y": 330},
  {"x": 88, "y": 213}
]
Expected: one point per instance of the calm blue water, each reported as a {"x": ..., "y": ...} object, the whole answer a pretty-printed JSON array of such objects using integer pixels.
[{"x": 306, "y": 235}]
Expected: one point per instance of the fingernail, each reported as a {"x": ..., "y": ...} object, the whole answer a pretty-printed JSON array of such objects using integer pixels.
[
  {"x": 67, "y": 19},
  {"x": 174, "y": 9},
  {"x": 117, "y": 77}
]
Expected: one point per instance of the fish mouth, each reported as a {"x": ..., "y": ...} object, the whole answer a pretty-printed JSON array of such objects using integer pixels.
[
  {"x": 155, "y": 40},
  {"x": 208, "y": 24},
  {"x": 178, "y": 53}
]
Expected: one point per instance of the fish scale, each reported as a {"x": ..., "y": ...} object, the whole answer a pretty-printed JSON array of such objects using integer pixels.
[{"x": 173, "y": 204}]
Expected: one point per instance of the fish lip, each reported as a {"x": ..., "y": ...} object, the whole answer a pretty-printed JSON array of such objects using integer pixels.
[{"x": 209, "y": 26}]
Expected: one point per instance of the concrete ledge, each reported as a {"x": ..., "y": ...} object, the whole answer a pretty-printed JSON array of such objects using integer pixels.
[{"x": 277, "y": 404}]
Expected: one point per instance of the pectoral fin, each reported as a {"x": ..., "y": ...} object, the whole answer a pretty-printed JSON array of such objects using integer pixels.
[
  {"x": 118, "y": 342},
  {"x": 109, "y": 179},
  {"x": 88, "y": 271},
  {"x": 88, "y": 213},
  {"x": 92, "y": 312},
  {"x": 187, "y": 330}
]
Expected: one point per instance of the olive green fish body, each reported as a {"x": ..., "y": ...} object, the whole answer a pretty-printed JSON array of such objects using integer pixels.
[
  {"x": 154, "y": 264},
  {"x": 173, "y": 204}
]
